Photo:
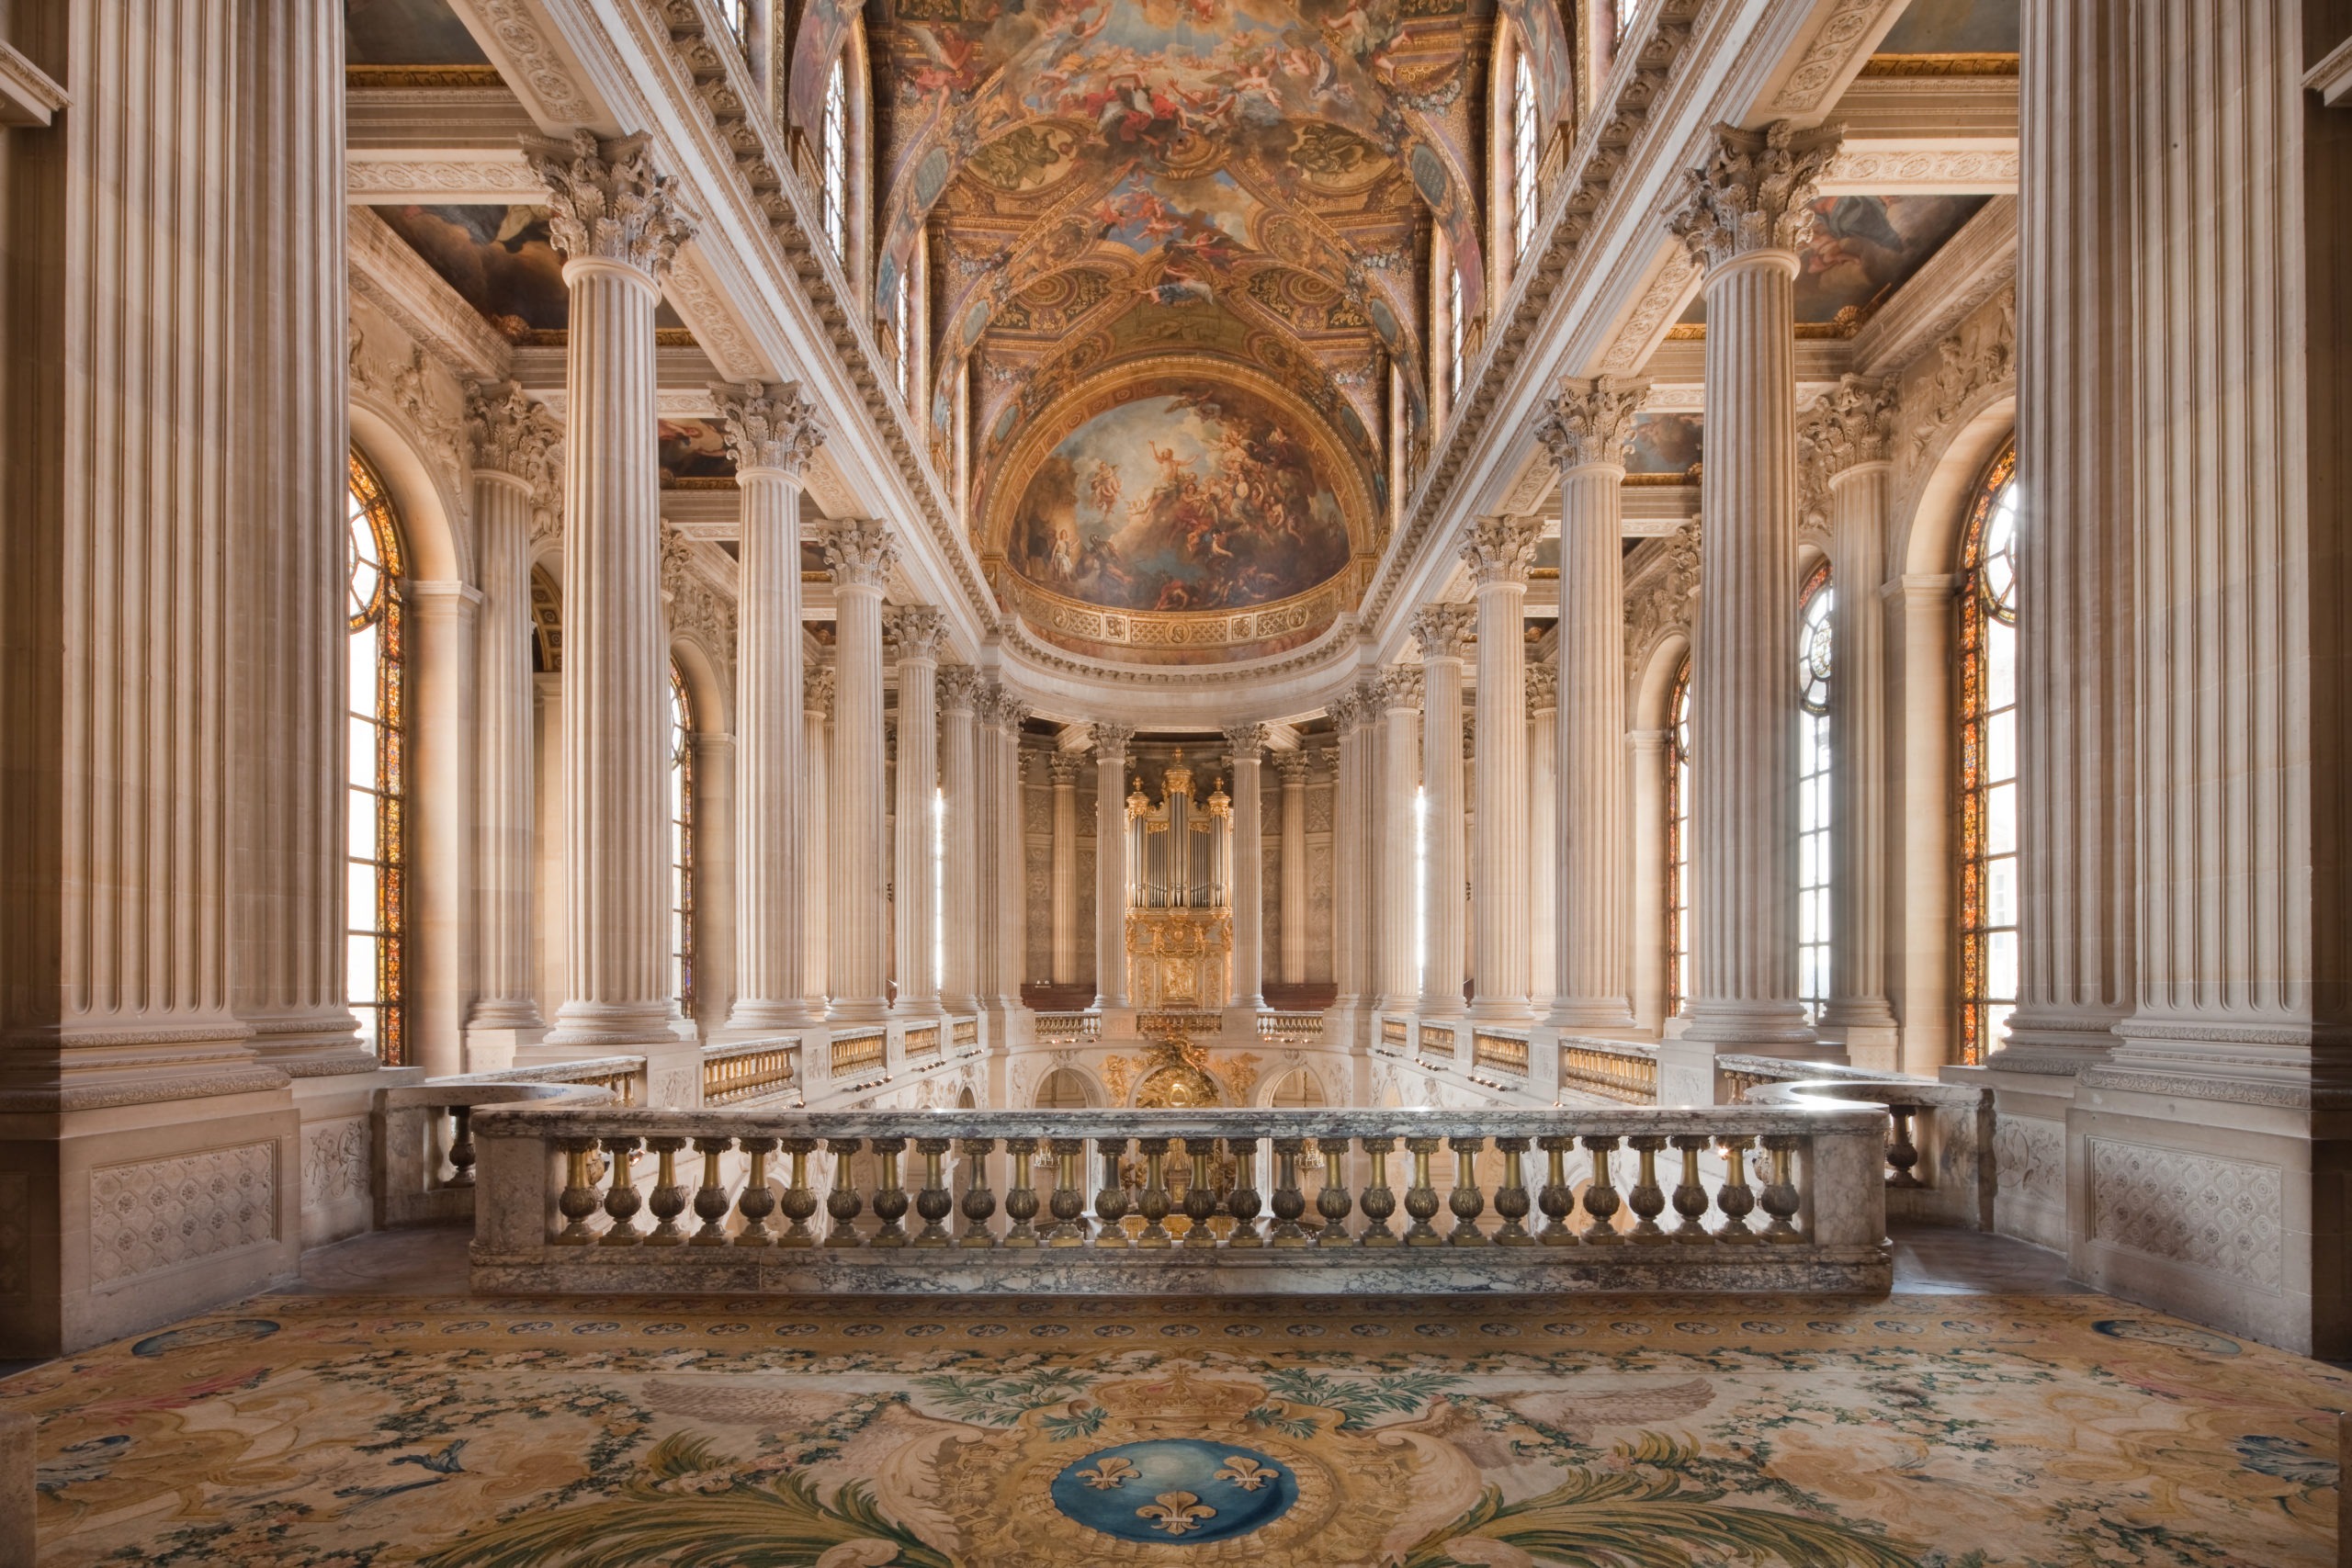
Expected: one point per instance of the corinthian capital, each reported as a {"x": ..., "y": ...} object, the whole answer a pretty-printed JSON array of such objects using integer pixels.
[
  {"x": 1756, "y": 193},
  {"x": 860, "y": 554},
  {"x": 1400, "y": 687},
  {"x": 769, "y": 426},
  {"x": 1543, "y": 688},
  {"x": 817, "y": 690},
  {"x": 1245, "y": 741},
  {"x": 1591, "y": 419},
  {"x": 1001, "y": 707},
  {"x": 1853, "y": 424},
  {"x": 959, "y": 688},
  {"x": 918, "y": 631},
  {"x": 605, "y": 202},
  {"x": 1500, "y": 549},
  {"x": 1111, "y": 740},
  {"x": 1443, "y": 631},
  {"x": 509, "y": 433}
]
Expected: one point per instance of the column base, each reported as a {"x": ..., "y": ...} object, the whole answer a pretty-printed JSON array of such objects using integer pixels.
[
  {"x": 317, "y": 1044},
  {"x": 1503, "y": 1012},
  {"x": 757, "y": 1020},
  {"x": 1605, "y": 1016},
  {"x": 2058, "y": 1039},
  {"x": 598, "y": 1029},
  {"x": 858, "y": 1010},
  {"x": 491, "y": 1049},
  {"x": 1761, "y": 1027},
  {"x": 1865, "y": 1026},
  {"x": 1240, "y": 1019}
]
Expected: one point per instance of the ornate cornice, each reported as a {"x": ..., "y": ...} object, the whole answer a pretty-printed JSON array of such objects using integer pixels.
[
  {"x": 1591, "y": 419},
  {"x": 1500, "y": 549},
  {"x": 773, "y": 426},
  {"x": 860, "y": 554},
  {"x": 1111, "y": 740},
  {"x": 960, "y": 687},
  {"x": 916, "y": 631},
  {"x": 605, "y": 201},
  {"x": 1756, "y": 193},
  {"x": 1444, "y": 630}
]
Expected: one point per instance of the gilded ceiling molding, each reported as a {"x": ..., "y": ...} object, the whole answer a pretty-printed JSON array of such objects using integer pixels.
[
  {"x": 770, "y": 426},
  {"x": 606, "y": 201},
  {"x": 1755, "y": 192}
]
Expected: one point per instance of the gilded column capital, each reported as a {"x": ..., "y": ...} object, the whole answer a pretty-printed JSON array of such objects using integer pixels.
[
  {"x": 959, "y": 688},
  {"x": 1400, "y": 687},
  {"x": 1853, "y": 424},
  {"x": 509, "y": 432},
  {"x": 773, "y": 426},
  {"x": 1444, "y": 630},
  {"x": 606, "y": 203},
  {"x": 1756, "y": 191},
  {"x": 1542, "y": 689},
  {"x": 860, "y": 554},
  {"x": 1591, "y": 419},
  {"x": 1111, "y": 740},
  {"x": 1500, "y": 549},
  {"x": 916, "y": 631},
  {"x": 817, "y": 685},
  {"x": 1245, "y": 742}
]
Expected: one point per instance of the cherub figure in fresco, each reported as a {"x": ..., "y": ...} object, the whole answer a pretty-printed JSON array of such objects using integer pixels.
[{"x": 1102, "y": 487}]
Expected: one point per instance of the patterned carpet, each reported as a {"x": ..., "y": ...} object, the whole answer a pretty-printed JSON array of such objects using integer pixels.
[{"x": 1954, "y": 1431}]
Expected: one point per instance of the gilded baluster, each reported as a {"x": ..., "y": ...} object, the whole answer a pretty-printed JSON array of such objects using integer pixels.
[
  {"x": 1902, "y": 1154},
  {"x": 669, "y": 1199},
  {"x": 711, "y": 1204},
  {"x": 758, "y": 1200},
  {"x": 979, "y": 1202},
  {"x": 799, "y": 1198},
  {"x": 1421, "y": 1199},
  {"x": 622, "y": 1200},
  {"x": 1780, "y": 1195},
  {"x": 1510, "y": 1199},
  {"x": 1020, "y": 1200},
  {"x": 1154, "y": 1204},
  {"x": 1069, "y": 1204},
  {"x": 1558, "y": 1200},
  {"x": 935, "y": 1203},
  {"x": 462, "y": 1146},
  {"x": 1465, "y": 1202},
  {"x": 579, "y": 1198},
  {"x": 1200, "y": 1192},
  {"x": 1379, "y": 1197},
  {"x": 1290, "y": 1201},
  {"x": 889, "y": 1193},
  {"x": 1736, "y": 1199},
  {"x": 1690, "y": 1194},
  {"x": 1333, "y": 1202},
  {"x": 1648, "y": 1199},
  {"x": 1244, "y": 1203},
  {"x": 1600, "y": 1198},
  {"x": 1111, "y": 1202},
  {"x": 842, "y": 1201}
]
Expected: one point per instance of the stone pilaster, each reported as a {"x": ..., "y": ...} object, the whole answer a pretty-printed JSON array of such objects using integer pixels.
[
  {"x": 1006, "y": 908},
  {"x": 861, "y": 556},
  {"x": 1586, "y": 430},
  {"x": 517, "y": 476},
  {"x": 959, "y": 781},
  {"x": 1061, "y": 768},
  {"x": 1109, "y": 863},
  {"x": 1542, "y": 832},
  {"x": 1441, "y": 630},
  {"x": 772, "y": 433},
  {"x": 1291, "y": 767},
  {"x": 1355, "y": 808},
  {"x": 1747, "y": 212},
  {"x": 1498, "y": 551},
  {"x": 816, "y": 837},
  {"x": 617, "y": 225},
  {"x": 919, "y": 631},
  {"x": 1245, "y": 747},
  {"x": 442, "y": 635},
  {"x": 715, "y": 862},
  {"x": 1845, "y": 437},
  {"x": 1397, "y": 914}
]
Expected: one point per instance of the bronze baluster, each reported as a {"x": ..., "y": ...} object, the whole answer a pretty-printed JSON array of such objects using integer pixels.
[
  {"x": 1244, "y": 1203},
  {"x": 1154, "y": 1205},
  {"x": 1902, "y": 1154},
  {"x": 1111, "y": 1202},
  {"x": 462, "y": 1146},
  {"x": 800, "y": 1199},
  {"x": 1334, "y": 1202},
  {"x": 1558, "y": 1200},
  {"x": 889, "y": 1193},
  {"x": 1069, "y": 1227},
  {"x": 842, "y": 1201},
  {"x": 1648, "y": 1199},
  {"x": 711, "y": 1204},
  {"x": 1690, "y": 1194},
  {"x": 1021, "y": 1199},
  {"x": 1290, "y": 1203},
  {"x": 1379, "y": 1198},
  {"x": 669, "y": 1199},
  {"x": 1599, "y": 1198},
  {"x": 622, "y": 1200},
  {"x": 1200, "y": 1192},
  {"x": 979, "y": 1202},
  {"x": 1510, "y": 1199},
  {"x": 1421, "y": 1199},
  {"x": 935, "y": 1203},
  {"x": 1735, "y": 1199},
  {"x": 1465, "y": 1202},
  {"x": 1780, "y": 1195},
  {"x": 580, "y": 1198},
  {"x": 758, "y": 1200}
]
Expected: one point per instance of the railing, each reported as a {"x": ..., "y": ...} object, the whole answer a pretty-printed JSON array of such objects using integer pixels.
[
  {"x": 1499, "y": 1052},
  {"x": 1939, "y": 1164},
  {"x": 753, "y": 1070},
  {"x": 1627, "y": 1073},
  {"x": 1290, "y": 1026},
  {"x": 854, "y": 1054},
  {"x": 923, "y": 1042},
  {"x": 966, "y": 1033},
  {"x": 1070, "y": 1026},
  {"x": 1437, "y": 1041},
  {"x": 1784, "y": 1198},
  {"x": 426, "y": 1130},
  {"x": 1187, "y": 1022}
]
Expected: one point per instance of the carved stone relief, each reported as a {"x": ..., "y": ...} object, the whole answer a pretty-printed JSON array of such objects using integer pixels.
[
  {"x": 155, "y": 1215},
  {"x": 2200, "y": 1210}
]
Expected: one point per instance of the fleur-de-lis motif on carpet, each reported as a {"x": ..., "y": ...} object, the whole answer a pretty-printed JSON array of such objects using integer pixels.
[
  {"x": 1246, "y": 1474},
  {"x": 1107, "y": 1472},
  {"x": 1176, "y": 1512}
]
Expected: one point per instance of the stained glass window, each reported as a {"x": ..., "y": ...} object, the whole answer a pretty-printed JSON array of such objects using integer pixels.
[
  {"x": 834, "y": 149},
  {"x": 1988, "y": 761},
  {"x": 904, "y": 313},
  {"x": 681, "y": 843},
  {"x": 1813, "y": 800},
  {"x": 1678, "y": 843},
  {"x": 372, "y": 882},
  {"x": 1523, "y": 154}
]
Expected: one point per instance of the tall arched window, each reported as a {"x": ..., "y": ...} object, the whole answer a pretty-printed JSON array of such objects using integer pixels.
[
  {"x": 1813, "y": 801},
  {"x": 1988, "y": 761},
  {"x": 1523, "y": 152},
  {"x": 1677, "y": 841},
  {"x": 681, "y": 843},
  {"x": 832, "y": 146},
  {"x": 372, "y": 882},
  {"x": 1452, "y": 327},
  {"x": 902, "y": 311}
]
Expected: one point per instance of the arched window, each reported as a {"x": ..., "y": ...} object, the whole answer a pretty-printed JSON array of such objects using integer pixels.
[
  {"x": 1523, "y": 154},
  {"x": 1813, "y": 801},
  {"x": 902, "y": 312},
  {"x": 1452, "y": 327},
  {"x": 739, "y": 20},
  {"x": 681, "y": 843},
  {"x": 1677, "y": 841},
  {"x": 372, "y": 882},
  {"x": 1988, "y": 761},
  {"x": 834, "y": 155}
]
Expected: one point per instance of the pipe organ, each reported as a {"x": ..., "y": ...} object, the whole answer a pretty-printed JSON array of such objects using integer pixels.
[{"x": 1180, "y": 899}]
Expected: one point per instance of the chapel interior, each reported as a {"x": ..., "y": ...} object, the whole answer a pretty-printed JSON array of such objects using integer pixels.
[{"x": 1365, "y": 784}]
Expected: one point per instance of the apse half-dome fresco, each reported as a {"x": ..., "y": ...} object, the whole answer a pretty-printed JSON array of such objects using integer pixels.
[{"x": 1179, "y": 501}]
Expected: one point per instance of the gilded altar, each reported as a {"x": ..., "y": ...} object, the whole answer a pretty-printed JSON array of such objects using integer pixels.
[
  {"x": 1180, "y": 958},
  {"x": 1179, "y": 909}
]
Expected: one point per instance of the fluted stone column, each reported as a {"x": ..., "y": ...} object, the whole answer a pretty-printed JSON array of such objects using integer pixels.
[
  {"x": 772, "y": 433},
  {"x": 1246, "y": 749},
  {"x": 959, "y": 781},
  {"x": 1542, "y": 833},
  {"x": 1354, "y": 828},
  {"x": 718, "y": 813},
  {"x": 2077, "y": 518},
  {"x": 1586, "y": 430},
  {"x": 816, "y": 837},
  {"x": 1291, "y": 766},
  {"x": 1441, "y": 629},
  {"x": 1397, "y": 913},
  {"x": 1007, "y": 910},
  {"x": 919, "y": 631},
  {"x": 617, "y": 224},
  {"x": 1645, "y": 756},
  {"x": 1498, "y": 551},
  {"x": 1109, "y": 863},
  {"x": 442, "y": 633},
  {"x": 1061, "y": 768},
  {"x": 1846, "y": 438},
  {"x": 1747, "y": 210},
  {"x": 861, "y": 556},
  {"x": 517, "y": 475}
]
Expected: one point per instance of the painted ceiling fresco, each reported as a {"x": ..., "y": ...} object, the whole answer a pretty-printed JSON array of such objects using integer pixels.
[
  {"x": 407, "y": 32},
  {"x": 501, "y": 260},
  {"x": 1954, "y": 27},
  {"x": 1864, "y": 248}
]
